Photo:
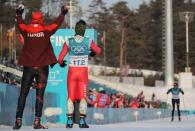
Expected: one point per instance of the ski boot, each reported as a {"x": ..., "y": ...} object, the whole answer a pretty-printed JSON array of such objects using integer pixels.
[
  {"x": 172, "y": 119},
  {"x": 82, "y": 122},
  {"x": 69, "y": 123},
  {"x": 18, "y": 124},
  {"x": 179, "y": 118},
  {"x": 37, "y": 124}
]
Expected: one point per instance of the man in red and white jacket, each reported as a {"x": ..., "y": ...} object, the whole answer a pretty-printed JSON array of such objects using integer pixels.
[{"x": 78, "y": 48}]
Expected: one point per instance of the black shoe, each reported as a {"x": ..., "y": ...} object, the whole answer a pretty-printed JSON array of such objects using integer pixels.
[
  {"x": 179, "y": 118},
  {"x": 172, "y": 119},
  {"x": 37, "y": 124},
  {"x": 83, "y": 126},
  {"x": 82, "y": 123},
  {"x": 69, "y": 123},
  {"x": 18, "y": 124}
]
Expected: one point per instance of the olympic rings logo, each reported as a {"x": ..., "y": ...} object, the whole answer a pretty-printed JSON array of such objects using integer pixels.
[{"x": 78, "y": 49}]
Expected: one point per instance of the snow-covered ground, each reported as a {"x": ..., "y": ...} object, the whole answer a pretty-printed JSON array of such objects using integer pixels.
[{"x": 187, "y": 124}]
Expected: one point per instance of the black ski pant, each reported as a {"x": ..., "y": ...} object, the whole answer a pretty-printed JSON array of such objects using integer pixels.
[
  {"x": 29, "y": 73},
  {"x": 177, "y": 103}
]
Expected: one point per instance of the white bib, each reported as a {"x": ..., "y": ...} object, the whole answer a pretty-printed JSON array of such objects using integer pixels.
[{"x": 78, "y": 61}]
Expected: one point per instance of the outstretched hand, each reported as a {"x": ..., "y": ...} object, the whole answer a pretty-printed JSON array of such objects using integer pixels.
[
  {"x": 20, "y": 9},
  {"x": 64, "y": 10}
]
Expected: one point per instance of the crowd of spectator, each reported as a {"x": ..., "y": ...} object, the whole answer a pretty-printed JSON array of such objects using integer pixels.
[
  {"x": 8, "y": 78},
  {"x": 100, "y": 99},
  {"x": 10, "y": 63},
  {"x": 11, "y": 79}
]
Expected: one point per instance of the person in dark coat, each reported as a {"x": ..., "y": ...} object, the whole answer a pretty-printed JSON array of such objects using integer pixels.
[{"x": 36, "y": 56}]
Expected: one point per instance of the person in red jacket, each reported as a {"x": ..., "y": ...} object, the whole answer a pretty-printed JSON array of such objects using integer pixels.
[
  {"x": 134, "y": 104},
  {"x": 36, "y": 56},
  {"x": 102, "y": 99},
  {"x": 79, "y": 48}
]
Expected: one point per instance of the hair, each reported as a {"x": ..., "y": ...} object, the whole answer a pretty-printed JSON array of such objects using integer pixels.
[{"x": 80, "y": 28}]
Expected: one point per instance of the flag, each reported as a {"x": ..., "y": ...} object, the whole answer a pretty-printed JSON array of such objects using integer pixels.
[{"x": 103, "y": 37}]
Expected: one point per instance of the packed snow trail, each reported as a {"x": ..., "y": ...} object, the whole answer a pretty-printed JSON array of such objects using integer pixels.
[{"x": 187, "y": 124}]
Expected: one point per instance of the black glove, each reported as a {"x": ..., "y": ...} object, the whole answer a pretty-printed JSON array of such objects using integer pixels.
[
  {"x": 92, "y": 53},
  {"x": 52, "y": 65},
  {"x": 63, "y": 64},
  {"x": 20, "y": 9},
  {"x": 64, "y": 10}
]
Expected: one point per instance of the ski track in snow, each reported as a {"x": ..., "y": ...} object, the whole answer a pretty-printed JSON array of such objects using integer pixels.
[{"x": 187, "y": 124}]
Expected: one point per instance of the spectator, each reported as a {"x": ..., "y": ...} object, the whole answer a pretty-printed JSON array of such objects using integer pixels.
[
  {"x": 134, "y": 103},
  {"x": 113, "y": 100},
  {"x": 120, "y": 100},
  {"x": 94, "y": 94},
  {"x": 91, "y": 96},
  {"x": 126, "y": 103},
  {"x": 1, "y": 77},
  {"x": 102, "y": 100},
  {"x": 153, "y": 99},
  {"x": 140, "y": 98}
]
